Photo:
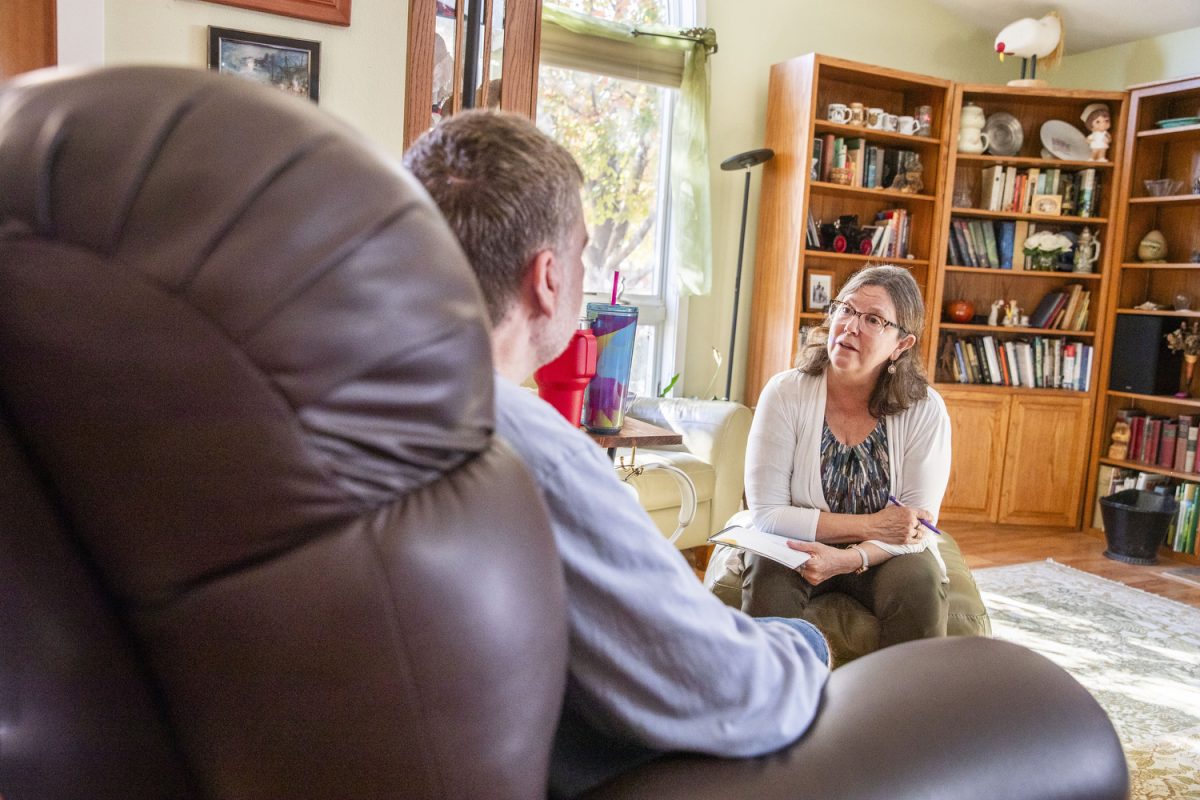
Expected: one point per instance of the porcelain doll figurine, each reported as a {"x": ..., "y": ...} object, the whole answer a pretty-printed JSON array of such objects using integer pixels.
[{"x": 1097, "y": 120}]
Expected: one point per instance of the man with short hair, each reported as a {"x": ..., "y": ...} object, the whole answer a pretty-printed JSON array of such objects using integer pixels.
[{"x": 657, "y": 663}]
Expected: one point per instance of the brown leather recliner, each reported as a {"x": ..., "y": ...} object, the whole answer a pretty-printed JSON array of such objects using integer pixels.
[{"x": 256, "y": 540}]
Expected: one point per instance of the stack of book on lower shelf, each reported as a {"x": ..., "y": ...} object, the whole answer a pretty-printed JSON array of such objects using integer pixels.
[
  {"x": 1167, "y": 442},
  {"x": 1039, "y": 362},
  {"x": 1181, "y": 533}
]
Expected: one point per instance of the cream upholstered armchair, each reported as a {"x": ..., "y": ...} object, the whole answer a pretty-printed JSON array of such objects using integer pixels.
[{"x": 713, "y": 456}]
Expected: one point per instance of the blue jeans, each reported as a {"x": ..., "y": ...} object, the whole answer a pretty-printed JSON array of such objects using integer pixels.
[{"x": 810, "y": 632}]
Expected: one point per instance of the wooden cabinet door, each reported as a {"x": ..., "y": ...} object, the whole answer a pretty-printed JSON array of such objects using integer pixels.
[
  {"x": 979, "y": 427},
  {"x": 28, "y": 34},
  {"x": 1044, "y": 466}
]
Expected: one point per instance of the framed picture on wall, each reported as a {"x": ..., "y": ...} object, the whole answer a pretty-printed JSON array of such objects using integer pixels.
[
  {"x": 335, "y": 12},
  {"x": 290, "y": 65},
  {"x": 820, "y": 290}
]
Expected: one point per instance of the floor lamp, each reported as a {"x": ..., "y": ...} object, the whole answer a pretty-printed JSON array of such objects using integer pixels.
[{"x": 746, "y": 160}]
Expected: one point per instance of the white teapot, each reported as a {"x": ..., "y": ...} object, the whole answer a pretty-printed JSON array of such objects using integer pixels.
[{"x": 971, "y": 138}]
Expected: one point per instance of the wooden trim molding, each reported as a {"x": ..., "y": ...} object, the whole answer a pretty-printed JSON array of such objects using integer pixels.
[{"x": 333, "y": 12}]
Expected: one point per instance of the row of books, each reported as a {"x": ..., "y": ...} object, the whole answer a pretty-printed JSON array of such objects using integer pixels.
[
  {"x": 887, "y": 238},
  {"x": 1065, "y": 309},
  {"x": 1181, "y": 532},
  {"x": 1011, "y": 189},
  {"x": 1037, "y": 363},
  {"x": 871, "y": 167},
  {"x": 985, "y": 243},
  {"x": 1167, "y": 442}
]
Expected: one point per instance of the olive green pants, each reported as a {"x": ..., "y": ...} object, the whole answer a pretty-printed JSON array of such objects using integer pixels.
[{"x": 905, "y": 593}]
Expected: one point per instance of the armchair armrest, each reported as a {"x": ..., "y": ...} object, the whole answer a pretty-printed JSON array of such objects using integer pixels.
[
  {"x": 714, "y": 431},
  {"x": 937, "y": 719}
]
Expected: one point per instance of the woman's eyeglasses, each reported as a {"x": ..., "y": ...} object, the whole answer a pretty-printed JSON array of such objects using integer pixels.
[{"x": 871, "y": 323}]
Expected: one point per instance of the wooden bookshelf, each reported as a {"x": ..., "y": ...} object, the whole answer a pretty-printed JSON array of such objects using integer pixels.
[
  {"x": 799, "y": 92},
  {"x": 1151, "y": 153},
  {"x": 1018, "y": 449}
]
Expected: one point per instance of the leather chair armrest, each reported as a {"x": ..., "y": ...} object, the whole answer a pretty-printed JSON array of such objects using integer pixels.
[{"x": 938, "y": 719}]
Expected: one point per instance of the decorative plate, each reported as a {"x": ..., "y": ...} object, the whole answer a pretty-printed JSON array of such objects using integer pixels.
[
  {"x": 1065, "y": 141},
  {"x": 1004, "y": 134},
  {"x": 1178, "y": 122}
]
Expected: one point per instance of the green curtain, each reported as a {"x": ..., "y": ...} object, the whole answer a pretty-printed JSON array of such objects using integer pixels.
[{"x": 691, "y": 210}]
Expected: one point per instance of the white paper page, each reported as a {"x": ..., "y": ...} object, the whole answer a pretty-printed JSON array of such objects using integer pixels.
[{"x": 753, "y": 540}]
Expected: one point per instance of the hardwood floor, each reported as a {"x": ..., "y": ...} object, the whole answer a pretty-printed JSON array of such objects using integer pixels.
[{"x": 987, "y": 545}]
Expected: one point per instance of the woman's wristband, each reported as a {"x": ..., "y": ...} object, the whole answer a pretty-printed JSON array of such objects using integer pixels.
[{"x": 862, "y": 552}]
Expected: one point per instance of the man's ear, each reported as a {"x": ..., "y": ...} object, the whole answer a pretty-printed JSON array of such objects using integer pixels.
[{"x": 543, "y": 283}]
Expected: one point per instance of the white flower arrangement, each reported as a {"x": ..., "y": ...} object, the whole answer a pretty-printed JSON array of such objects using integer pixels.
[{"x": 1046, "y": 242}]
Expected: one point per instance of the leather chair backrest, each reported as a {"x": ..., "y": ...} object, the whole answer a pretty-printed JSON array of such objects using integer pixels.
[{"x": 256, "y": 539}]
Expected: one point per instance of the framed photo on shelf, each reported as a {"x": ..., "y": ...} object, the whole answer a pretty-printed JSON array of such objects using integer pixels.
[
  {"x": 334, "y": 12},
  {"x": 820, "y": 290},
  {"x": 290, "y": 65},
  {"x": 1049, "y": 205}
]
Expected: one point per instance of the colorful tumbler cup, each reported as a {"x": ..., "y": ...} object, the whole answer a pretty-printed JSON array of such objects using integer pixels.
[
  {"x": 615, "y": 327},
  {"x": 562, "y": 382}
]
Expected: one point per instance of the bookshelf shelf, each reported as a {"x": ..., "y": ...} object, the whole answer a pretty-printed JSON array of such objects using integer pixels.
[
  {"x": 860, "y": 259},
  {"x": 799, "y": 93},
  {"x": 984, "y": 213},
  {"x": 891, "y": 196},
  {"x": 1150, "y": 153},
  {"x": 1140, "y": 265},
  {"x": 1024, "y": 273},
  {"x": 1167, "y": 312},
  {"x": 873, "y": 135},
  {"x": 1185, "y": 132},
  {"x": 1025, "y": 425},
  {"x": 1028, "y": 161},
  {"x": 1153, "y": 468},
  {"x": 1015, "y": 331},
  {"x": 1006, "y": 391},
  {"x": 1190, "y": 402},
  {"x": 1170, "y": 200}
]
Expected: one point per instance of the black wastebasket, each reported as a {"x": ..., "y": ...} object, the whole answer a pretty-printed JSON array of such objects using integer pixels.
[{"x": 1135, "y": 524}]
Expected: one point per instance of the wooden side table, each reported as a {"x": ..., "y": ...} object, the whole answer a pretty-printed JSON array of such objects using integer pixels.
[{"x": 635, "y": 433}]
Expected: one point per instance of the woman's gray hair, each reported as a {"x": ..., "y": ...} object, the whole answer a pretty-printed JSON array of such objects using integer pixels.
[{"x": 893, "y": 392}]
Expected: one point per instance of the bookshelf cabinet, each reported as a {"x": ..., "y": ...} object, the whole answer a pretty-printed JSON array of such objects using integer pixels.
[
  {"x": 799, "y": 94},
  {"x": 1153, "y": 152},
  {"x": 1018, "y": 448}
]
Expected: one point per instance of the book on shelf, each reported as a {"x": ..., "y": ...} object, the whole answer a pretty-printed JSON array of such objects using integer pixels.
[
  {"x": 815, "y": 171},
  {"x": 1089, "y": 193},
  {"x": 827, "y": 155}
]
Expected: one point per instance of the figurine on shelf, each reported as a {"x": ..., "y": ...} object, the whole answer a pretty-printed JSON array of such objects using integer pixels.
[
  {"x": 1087, "y": 251},
  {"x": 1012, "y": 315},
  {"x": 1097, "y": 120},
  {"x": 1153, "y": 247},
  {"x": 994, "y": 315},
  {"x": 1120, "y": 441}
]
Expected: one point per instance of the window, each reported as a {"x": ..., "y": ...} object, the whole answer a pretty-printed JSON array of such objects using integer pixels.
[{"x": 615, "y": 118}]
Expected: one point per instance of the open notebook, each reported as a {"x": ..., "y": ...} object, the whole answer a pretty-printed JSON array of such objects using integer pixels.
[{"x": 768, "y": 545}]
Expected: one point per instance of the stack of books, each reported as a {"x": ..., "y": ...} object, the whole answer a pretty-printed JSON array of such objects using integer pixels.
[
  {"x": 1038, "y": 363},
  {"x": 1065, "y": 309},
  {"x": 1011, "y": 189},
  {"x": 1167, "y": 442}
]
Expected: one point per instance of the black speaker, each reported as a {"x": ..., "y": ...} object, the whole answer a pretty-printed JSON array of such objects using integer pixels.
[{"x": 1141, "y": 362}]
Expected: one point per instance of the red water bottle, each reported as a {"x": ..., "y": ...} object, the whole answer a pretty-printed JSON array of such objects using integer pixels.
[{"x": 561, "y": 383}]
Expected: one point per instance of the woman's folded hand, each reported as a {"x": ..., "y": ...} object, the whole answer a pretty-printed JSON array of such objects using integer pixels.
[{"x": 899, "y": 524}]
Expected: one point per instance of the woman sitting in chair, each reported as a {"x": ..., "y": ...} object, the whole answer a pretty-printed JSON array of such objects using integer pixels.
[{"x": 854, "y": 425}]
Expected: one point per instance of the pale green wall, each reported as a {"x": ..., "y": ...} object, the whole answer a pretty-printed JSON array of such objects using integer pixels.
[
  {"x": 362, "y": 66},
  {"x": 1174, "y": 55}
]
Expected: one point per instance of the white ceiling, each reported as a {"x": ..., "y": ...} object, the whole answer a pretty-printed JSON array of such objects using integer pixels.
[{"x": 1089, "y": 24}]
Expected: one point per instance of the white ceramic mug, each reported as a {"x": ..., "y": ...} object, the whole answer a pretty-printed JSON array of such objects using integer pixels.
[
  {"x": 906, "y": 125},
  {"x": 876, "y": 118},
  {"x": 890, "y": 121},
  {"x": 838, "y": 112}
]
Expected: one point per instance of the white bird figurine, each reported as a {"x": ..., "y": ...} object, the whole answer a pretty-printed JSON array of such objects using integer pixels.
[{"x": 1031, "y": 38}]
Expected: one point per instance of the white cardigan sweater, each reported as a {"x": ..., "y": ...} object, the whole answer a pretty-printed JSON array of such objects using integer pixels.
[{"x": 783, "y": 459}]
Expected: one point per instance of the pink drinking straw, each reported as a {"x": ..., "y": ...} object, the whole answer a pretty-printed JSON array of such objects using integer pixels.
[{"x": 616, "y": 280}]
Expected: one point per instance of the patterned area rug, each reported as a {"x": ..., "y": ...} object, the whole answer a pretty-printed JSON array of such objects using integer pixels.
[{"x": 1137, "y": 653}]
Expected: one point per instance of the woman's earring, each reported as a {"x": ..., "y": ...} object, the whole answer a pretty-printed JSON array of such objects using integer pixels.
[{"x": 892, "y": 367}]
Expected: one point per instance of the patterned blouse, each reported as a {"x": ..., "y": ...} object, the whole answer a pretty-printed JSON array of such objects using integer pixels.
[{"x": 856, "y": 479}]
